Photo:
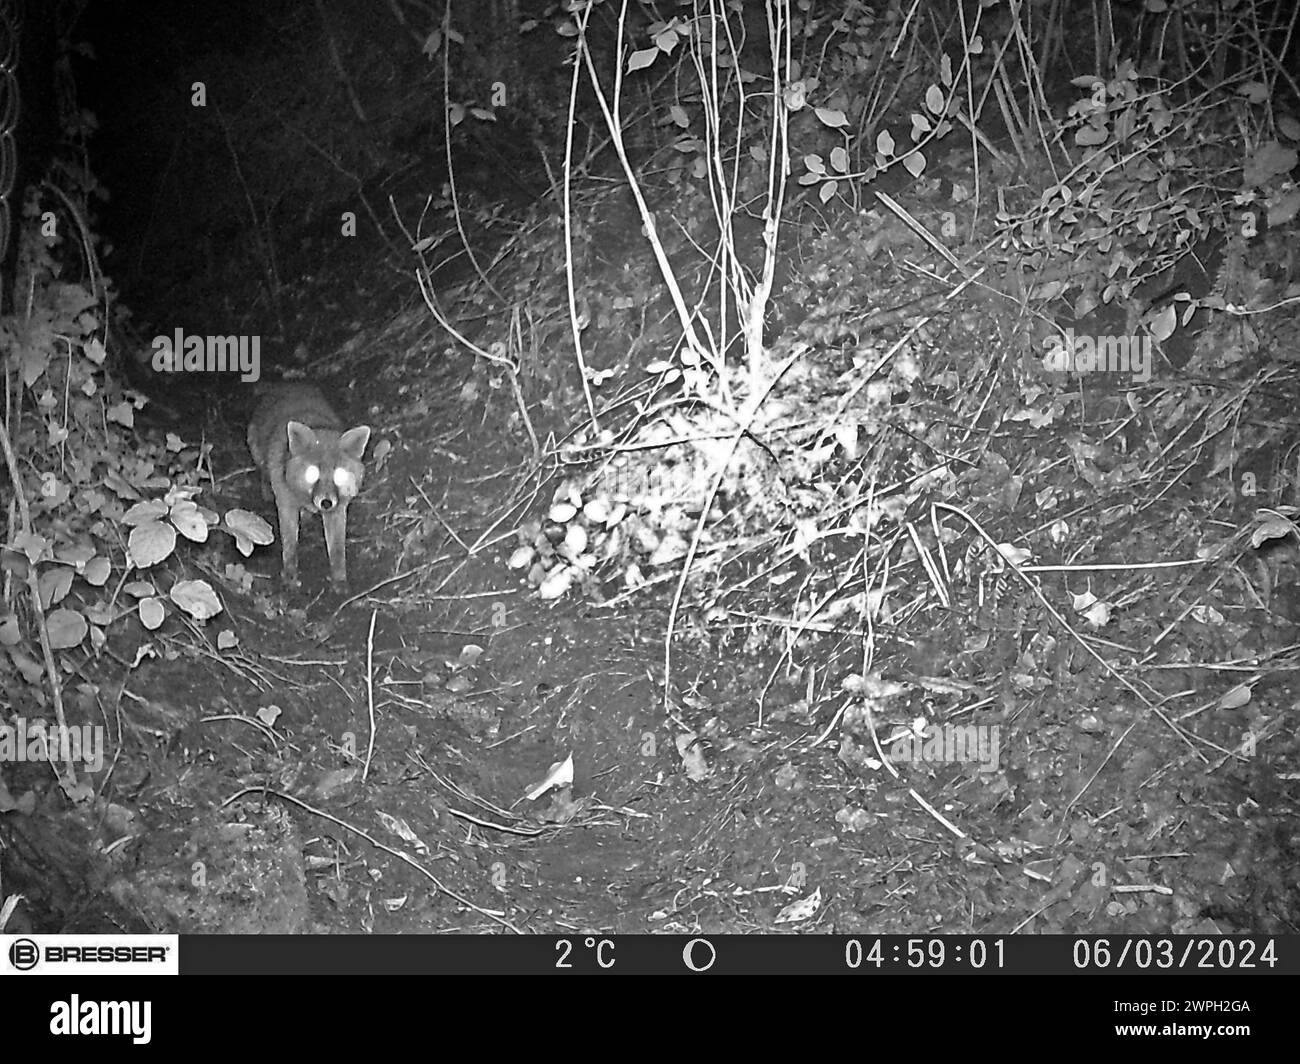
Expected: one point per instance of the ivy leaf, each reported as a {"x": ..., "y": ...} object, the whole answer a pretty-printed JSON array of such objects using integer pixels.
[
  {"x": 32, "y": 544},
  {"x": 1268, "y": 161},
  {"x": 54, "y": 584},
  {"x": 1273, "y": 525},
  {"x": 31, "y": 671},
  {"x": 249, "y": 531},
  {"x": 641, "y": 58},
  {"x": 1165, "y": 323},
  {"x": 666, "y": 39},
  {"x": 1090, "y": 136},
  {"x": 67, "y": 629},
  {"x": 1254, "y": 91},
  {"x": 144, "y": 512},
  {"x": 189, "y": 522},
  {"x": 152, "y": 613},
  {"x": 196, "y": 598},
  {"x": 33, "y": 363},
  {"x": 150, "y": 543}
]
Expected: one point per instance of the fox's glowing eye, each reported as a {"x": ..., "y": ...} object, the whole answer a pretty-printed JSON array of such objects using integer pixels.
[
  {"x": 344, "y": 481},
  {"x": 311, "y": 474}
]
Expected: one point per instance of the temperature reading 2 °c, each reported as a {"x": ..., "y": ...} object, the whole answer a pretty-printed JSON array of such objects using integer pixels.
[{"x": 602, "y": 949}]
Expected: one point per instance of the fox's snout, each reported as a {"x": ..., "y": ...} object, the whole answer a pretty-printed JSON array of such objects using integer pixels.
[
  {"x": 325, "y": 500},
  {"x": 329, "y": 485},
  {"x": 324, "y": 490}
]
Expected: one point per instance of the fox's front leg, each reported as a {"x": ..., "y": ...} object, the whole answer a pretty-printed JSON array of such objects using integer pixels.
[
  {"x": 288, "y": 512},
  {"x": 336, "y": 544}
]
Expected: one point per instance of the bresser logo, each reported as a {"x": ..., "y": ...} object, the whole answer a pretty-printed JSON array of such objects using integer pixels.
[
  {"x": 23, "y": 954},
  {"x": 92, "y": 954},
  {"x": 105, "y": 954}
]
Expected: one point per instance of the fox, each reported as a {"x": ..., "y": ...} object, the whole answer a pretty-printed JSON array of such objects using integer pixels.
[{"x": 310, "y": 463}]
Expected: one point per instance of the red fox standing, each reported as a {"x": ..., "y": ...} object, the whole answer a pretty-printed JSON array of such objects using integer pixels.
[{"x": 297, "y": 441}]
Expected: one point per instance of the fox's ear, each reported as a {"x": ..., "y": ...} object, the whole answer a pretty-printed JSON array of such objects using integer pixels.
[
  {"x": 353, "y": 442},
  {"x": 301, "y": 438}
]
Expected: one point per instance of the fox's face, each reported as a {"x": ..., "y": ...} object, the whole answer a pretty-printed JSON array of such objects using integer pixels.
[{"x": 324, "y": 465}]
